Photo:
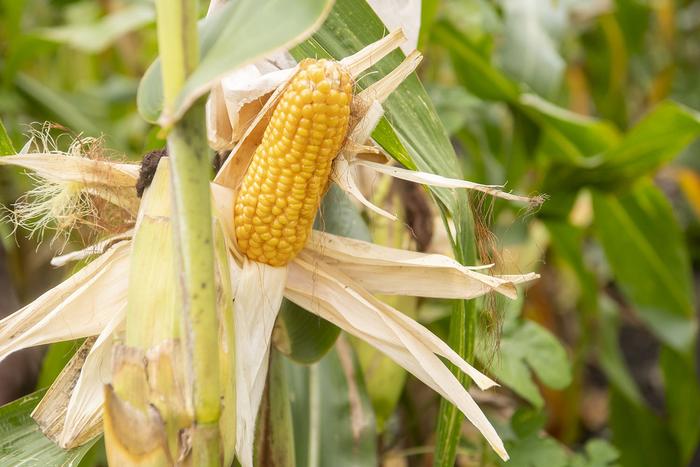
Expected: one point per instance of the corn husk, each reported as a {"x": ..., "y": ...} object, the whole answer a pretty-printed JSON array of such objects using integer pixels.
[
  {"x": 81, "y": 306},
  {"x": 71, "y": 411},
  {"x": 152, "y": 380},
  {"x": 260, "y": 293}
]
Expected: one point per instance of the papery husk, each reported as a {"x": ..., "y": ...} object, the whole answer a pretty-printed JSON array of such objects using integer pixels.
[
  {"x": 81, "y": 306},
  {"x": 335, "y": 297},
  {"x": 394, "y": 271},
  {"x": 70, "y": 412},
  {"x": 259, "y": 296},
  {"x": 92, "y": 250}
]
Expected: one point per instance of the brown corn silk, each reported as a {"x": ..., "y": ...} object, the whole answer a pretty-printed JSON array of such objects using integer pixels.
[{"x": 282, "y": 188}]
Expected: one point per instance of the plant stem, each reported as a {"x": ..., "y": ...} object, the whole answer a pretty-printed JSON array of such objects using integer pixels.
[
  {"x": 187, "y": 148},
  {"x": 462, "y": 338}
]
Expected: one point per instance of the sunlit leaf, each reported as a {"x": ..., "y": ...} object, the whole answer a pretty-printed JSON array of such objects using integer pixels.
[{"x": 226, "y": 45}]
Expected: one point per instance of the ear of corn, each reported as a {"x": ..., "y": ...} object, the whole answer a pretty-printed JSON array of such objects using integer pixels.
[{"x": 282, "y": 188}]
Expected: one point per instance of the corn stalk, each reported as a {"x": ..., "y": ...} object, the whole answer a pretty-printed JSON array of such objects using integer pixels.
[
  {"x": 165, "y": 404},
  {"x": 187, "y": 148},
  {"x": 462, "y": 339}
]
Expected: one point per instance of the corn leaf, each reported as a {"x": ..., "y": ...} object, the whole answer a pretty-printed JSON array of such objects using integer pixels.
[
  {"x": 682, "y": 400},
  {"x": 6, "y": 147},
  {"x": 100, "y": 35},
  {"x": 225, "y": 45},
  {"x": 658, "y": 138},
  {"x": 21, "y": 440},
  {"x": 332, "y": 426},
  {"x": 473, "y": 70},
  {"x": 640, "y": 435},
  {"x": 645, "y": 249},
  {"x": 59, "y": 105}
]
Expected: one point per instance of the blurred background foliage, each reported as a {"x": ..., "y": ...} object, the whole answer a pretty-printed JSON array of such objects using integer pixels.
[{"x": 588, "y": 101}]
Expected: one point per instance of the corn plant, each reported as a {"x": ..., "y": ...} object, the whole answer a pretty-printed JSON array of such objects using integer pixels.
[{"x": 250, "y": 284}]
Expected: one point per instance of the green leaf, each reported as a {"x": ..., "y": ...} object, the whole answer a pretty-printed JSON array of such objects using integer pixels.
[
  {"x": 429, "y": 9},
  {"x": 655, "y": 140},
  {"x": 641, "y": 437},
  {"x": 568, "y": 136},
  {"x": 682, "y": 399},
  {"x": 658, "y": 138},
  {"x": 644, "y": 246},
  {"x": 21, "y": 440},
  {"x": 333, "y": 419},
  {"x": 454, "y": 106},
  {"x": 475, "y": 72},
  {"x": 529, "y": 47},
  {"x": 597, "y": 453},
  {"x": 274, "y": 436},
  {"x": 6, "y": 147},
  {"x": 528, "y": 448},
  {"x": 300, "y": 334},
  {"x": 63, "y": 109},
  {"x": 100, "y": 35},
  {"x": 611, "y": 359},
  {"x": 530, "y": 348},
  {"x": 226, "y": 45}
]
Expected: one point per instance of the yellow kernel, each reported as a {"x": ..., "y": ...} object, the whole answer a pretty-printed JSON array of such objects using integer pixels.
[{"x": 282, "y": 188}]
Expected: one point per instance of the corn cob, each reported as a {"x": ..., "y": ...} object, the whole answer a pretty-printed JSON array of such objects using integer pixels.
[{"x": 282, "y": 188}]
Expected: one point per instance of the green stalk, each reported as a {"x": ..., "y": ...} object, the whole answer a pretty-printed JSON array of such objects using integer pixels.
[
  {"x": 187, "y": 148},
  {"x": 462, "y": 339}
]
